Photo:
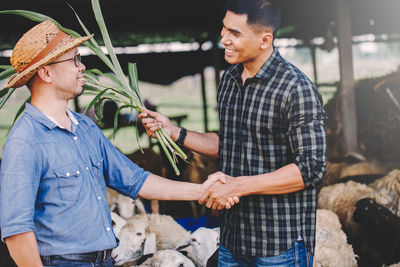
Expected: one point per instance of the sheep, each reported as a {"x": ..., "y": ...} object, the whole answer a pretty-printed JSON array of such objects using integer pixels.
[
  {"x": 132, "y": 237},
  {"x": 204, "y": 242},
  {"x": 134, "y": 233},
  {"x": 335, "y": 171},
  {"x": 117, "y": 223},
  {"x": 390, "y": 186},
  {"x": 331, "y": 247},
  {"x": 343, "y": 199},
  {"x": 125, "y": 206},
  {"x": 168, "y": 258},
  {"x": 384, "y": 229}
]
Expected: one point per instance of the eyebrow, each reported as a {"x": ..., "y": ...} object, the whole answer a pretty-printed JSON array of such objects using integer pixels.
[{"x": 231, "y": 29}]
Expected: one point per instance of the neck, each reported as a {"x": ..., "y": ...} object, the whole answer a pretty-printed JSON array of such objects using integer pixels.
[
  {"x": 251, "y": 68},
  {"x": 51, "y": 105}
]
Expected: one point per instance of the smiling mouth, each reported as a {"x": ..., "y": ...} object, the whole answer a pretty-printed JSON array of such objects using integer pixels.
[{"x": 229, "y": 51}]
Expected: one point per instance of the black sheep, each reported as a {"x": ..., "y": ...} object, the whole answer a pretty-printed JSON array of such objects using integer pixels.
[{"x": 383, "y": 227}]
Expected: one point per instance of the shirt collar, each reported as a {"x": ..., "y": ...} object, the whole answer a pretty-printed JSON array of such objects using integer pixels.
[
  {"x": 270, "y": 65},
  {"x": 265, "y": 71},
  {"x": 45, "y": 119}
]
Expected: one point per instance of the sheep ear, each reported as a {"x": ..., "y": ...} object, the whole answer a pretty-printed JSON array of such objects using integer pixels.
[
  {"x": 140, "y": 207},
  {"x": 184, "y": 243},
  {"x": 150, "y": 244}
]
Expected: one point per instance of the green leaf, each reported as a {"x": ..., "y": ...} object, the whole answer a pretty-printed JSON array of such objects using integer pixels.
[
  {"x": 4, "y": 91},
  {"x": 98, "y": 108},
  {"x": 114, "y": 79},
  {"x": 133, "y": 80},
  {"x": 6, "y": 73},
  {"x": 19, "y": 112},
  {"x": 107, "y": 40},
  {"x": 6, "y": 67},
  {"x": 94, "y": 100},
  {"x": 95, "y": 47},
  {"x": 90, "y": 88},
  {"x": 38, "y": 17},
  {"x": 7, "y": 96},
  {"x": 116, "y": 119},
  {"x": 90, "y": 75}
]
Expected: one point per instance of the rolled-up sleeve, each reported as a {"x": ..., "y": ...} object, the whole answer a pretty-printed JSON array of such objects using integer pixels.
[
  {"x": 307, "y": 133},
  {"x": 19, "y": 183}
]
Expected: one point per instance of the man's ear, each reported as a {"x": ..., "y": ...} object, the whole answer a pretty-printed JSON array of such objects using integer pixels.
[
  {"x": 267, "y": 39},
  {"x": 45, "y": 74}
]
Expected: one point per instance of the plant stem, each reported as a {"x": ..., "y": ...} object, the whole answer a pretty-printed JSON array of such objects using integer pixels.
[
  {"x": 177, "y": 148},
  {"x": 158, "y": 135}
]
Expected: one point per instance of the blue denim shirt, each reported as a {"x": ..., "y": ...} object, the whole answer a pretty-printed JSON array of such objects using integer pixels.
[{"x": 53, "y": 182}]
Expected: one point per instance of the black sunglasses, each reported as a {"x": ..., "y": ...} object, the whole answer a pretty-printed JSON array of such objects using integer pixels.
[{"x": 76, "y": 59}]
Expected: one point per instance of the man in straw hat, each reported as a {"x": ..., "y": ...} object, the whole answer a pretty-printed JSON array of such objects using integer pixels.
[
  {"x": 57, "y": 163},
  {"x": 271, "y": 144}
]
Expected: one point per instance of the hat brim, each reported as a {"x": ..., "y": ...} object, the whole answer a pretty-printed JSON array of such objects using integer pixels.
[{"x": 20, "y": 79}]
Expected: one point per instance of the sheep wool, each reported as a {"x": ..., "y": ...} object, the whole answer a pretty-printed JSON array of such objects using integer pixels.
[
  {"x": 331, "y": 247},
  {"x": 389, "y": 186},
  {"x": 341, "y": 199},
  {"x": 168, "y": 258}
]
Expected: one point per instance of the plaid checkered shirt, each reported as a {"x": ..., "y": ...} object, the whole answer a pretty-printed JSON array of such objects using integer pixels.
[{"x": 276, "y": 118}]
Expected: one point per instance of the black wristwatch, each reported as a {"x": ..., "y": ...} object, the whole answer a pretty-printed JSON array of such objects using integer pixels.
[{"x": 182, "y": 136}]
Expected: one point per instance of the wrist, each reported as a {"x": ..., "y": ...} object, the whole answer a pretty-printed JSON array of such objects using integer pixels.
[
  {"x": 181, "y": 137},
  {"x": 175, "y": 132},
  {"x": 240, "y": 185}
]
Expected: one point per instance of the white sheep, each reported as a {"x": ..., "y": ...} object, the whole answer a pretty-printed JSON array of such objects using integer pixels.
[
  {"x": 126, "y": 206},
  {"x": 348, "y": 198},
  {"x": 341, "y": 199},
  {"x": 168, "y": 258},
  {"x": 390, "y": 187},
  {"x": 132, "y": 237},
  {"x": 117, "y": 223},
  {"x": 134, "y": 233},
  {"x": 204, "y": 242},
  {"x": 331, "y": 247}
]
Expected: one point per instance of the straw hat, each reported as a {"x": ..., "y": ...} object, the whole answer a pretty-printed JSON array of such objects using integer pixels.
[{"x": 38, "y": 47}]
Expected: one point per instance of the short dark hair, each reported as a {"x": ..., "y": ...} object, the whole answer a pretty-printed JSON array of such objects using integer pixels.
[{"x": 265, "y": 13}]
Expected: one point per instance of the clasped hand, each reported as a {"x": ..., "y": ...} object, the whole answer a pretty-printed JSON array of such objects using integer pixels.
[{"x": 220, "y": 193}]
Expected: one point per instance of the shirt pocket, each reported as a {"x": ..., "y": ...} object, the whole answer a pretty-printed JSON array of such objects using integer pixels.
[
  {"x": 70, "y": 181},
  {"x": 97, "y": 164}
]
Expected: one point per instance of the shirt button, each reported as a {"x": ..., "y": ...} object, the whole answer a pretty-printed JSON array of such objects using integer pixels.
[
  {"x": 99, "y": 198},
  {"x": 67, "y": 174},
  {"x": 108, "y": 229},
  {"x": 87, "y": 168},
  {"x": 75, "y": 137},
  {"x": 78, "y": 172}
]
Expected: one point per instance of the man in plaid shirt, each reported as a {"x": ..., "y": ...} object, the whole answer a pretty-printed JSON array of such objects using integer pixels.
[{"x": 271, "y": 145}]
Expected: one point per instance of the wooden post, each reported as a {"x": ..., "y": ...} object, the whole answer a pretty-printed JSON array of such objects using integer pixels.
[
  {"x": 204, "y": 97},
  {"x": 347, "y": 95},
  {"x": 314, "y": 63}
]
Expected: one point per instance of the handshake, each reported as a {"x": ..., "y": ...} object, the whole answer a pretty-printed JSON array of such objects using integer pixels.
[{"x": 219, "y": 192}]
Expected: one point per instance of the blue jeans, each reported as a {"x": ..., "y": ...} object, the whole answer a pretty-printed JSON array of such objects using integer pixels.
[
  {"x": 59, "y": 262},
  {"x": 296, "y": 256}
]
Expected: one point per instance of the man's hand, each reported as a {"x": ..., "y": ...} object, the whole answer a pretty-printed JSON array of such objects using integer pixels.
[
  {"x": 221, "y": 193},
  {"x": 153, "y": 121}
]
